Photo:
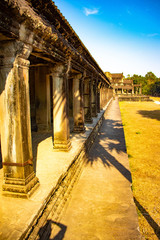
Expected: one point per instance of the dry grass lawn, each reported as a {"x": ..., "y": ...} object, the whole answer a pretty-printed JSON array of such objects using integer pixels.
[
  {"x": 155, "y": 98},
  {"x": 141, "y": 122}
]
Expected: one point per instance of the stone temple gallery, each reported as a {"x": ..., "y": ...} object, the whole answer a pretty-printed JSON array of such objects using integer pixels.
[{"x": 48, "y": 82}]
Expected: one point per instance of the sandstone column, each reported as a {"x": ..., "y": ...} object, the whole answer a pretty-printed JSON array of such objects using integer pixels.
[
  {"x": 98, "y": 97},
  {"x": 87, "y": 101},
  {"x": 61, "y": 129},
  {"x": 140, "y": 90},
  {"x": 78, "y": 110},
  {"x": 106, "y": 95},
  {"x": 101, "y": 97},
  {"x": 94, "y": 98},
  {"x": 19, "y": 177},
  {"x": 136, "y": 91}
]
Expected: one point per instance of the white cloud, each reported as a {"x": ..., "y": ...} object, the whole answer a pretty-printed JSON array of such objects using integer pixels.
[{"x": 88, "y": 11}]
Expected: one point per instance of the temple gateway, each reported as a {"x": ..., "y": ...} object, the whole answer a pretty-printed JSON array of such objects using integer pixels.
[
  {"x": 122, "y": 86},
  {"x": 48, "y": 82}
]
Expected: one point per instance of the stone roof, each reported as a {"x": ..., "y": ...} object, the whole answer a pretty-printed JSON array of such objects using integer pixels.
[
  {"x": 45, "y": 19},
  {"x": 117, "y": 75},
  {"x": 129, "y": 81}
]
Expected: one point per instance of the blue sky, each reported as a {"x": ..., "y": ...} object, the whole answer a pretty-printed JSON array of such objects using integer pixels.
[{"x": 122, "y": 36}]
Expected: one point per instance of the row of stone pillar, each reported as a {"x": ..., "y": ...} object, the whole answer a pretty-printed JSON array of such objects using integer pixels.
[
  {"x": 133, "y": 90},
  {"x": 106, "y": 94},
  {"x": 138, "y": 90},
  {"x": 15, "y": 121},
  {"x": 84, "y": 91},
  {"x": 85, "y": 104}
]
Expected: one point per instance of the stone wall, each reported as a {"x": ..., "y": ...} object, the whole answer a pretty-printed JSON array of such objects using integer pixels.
[{"x": 140, "y": 98}]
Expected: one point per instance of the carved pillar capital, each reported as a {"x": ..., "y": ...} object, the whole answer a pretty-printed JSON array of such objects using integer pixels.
[
  {"x": 58, "y": 69},
  {"x": 25, "y": 51},
  {"x": 11, "y": 57},
  {"x": 79, "y": 76},
  {"x": 84, "y": 73},
  {"x": 15, "y": 49},
  {"x": 21, "y": 62},
  {"x": 61, "y": 69}
]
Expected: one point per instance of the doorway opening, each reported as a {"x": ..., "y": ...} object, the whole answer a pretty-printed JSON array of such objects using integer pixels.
[
  {"x": 70, "y": 98},
  {"x": 0, "y": 156},
  {"x": 51, "y": 101}
]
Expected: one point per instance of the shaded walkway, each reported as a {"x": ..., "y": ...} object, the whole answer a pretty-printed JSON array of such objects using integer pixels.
[{"x": 102, "y": 205}]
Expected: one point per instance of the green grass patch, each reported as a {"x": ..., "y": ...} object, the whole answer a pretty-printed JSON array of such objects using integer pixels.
[{"x": 138, "y": 133}]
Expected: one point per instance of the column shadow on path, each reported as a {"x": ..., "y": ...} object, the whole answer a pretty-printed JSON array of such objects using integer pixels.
[
  {"x": 46, "y": 231},
  {"x": 150, "y": 220},
  {"x": 110, "y": 138}
]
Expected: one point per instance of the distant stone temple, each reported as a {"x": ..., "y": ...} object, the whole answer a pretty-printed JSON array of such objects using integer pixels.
[
  {"x": 123, "y": 86},
  {"x": 48, "y": 82}
]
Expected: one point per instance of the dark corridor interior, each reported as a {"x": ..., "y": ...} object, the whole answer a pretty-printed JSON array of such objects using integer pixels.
[
  {"x": 70, "y": 89},
  {"x": 0, "y": 157},
  {"x": 51, "y": 99}
]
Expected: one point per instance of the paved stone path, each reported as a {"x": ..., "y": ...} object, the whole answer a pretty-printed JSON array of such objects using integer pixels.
[
  {"x": 102, "y": 207},
  {"x": 17, "y": 216}
]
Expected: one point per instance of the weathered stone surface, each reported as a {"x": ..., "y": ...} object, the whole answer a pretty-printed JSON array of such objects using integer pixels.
[
  {"x": 60, "y": 106},
  {"x": 94, "y": 97},
  {"x": 78, "y": 103},
  {"x": 87, "y": 100},
  {"x": 19, "y": 178},
  {"x": 39, "y": 52}
]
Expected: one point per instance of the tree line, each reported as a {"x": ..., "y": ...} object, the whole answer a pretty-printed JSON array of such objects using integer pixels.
[{"x": 150, "y": 83}]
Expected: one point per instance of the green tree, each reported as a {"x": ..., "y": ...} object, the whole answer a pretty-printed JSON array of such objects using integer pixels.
[
  {"x": 150, "y": 76},
  {"x": 150, "y": 83},
  {"x": 155, "y": 88}
]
